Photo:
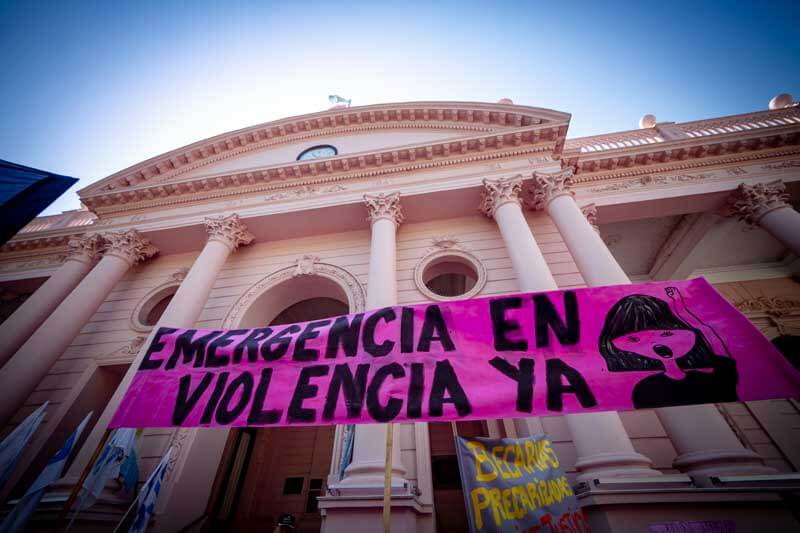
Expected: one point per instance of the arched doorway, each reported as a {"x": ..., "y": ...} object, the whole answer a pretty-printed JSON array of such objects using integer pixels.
[{"x": 270, "y": 471}]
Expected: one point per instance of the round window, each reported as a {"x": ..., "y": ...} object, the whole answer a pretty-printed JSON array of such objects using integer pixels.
[
  {"x": 157, "y": 310},
  {"x": 149, "y": 311},
  {"x": 450, "y": 275}
]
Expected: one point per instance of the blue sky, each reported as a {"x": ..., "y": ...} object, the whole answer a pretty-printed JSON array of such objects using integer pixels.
[{"x": 89, "y": 88}]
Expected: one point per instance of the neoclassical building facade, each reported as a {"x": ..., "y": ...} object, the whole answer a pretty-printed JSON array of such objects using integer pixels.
[{"x": 361, "y": 207}]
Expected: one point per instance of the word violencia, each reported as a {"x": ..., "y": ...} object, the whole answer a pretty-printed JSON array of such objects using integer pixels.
[{"x": 228, "y": 375}]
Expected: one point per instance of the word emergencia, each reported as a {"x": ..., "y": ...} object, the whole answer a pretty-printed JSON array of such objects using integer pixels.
[{"x": 607, "y": 348}]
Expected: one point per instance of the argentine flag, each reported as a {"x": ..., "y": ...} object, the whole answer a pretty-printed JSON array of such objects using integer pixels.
[
  {"x": 18, "y": 517},
  {"x": 107, "y": 466},
  {"x": 149, "y": 494},
  {"x": 12, "y": 446}
]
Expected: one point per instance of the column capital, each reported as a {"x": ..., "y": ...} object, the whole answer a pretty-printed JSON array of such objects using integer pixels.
[
  {"x": 229, "y": 230},
  {"x": 590, "y": 212},
  {"x": 751, "y": 202},
  {"x": 499, "y": 192},
  {"x": 545, "y": 187},
  {"x": 129, "y": 246},
  {"x": 384, "y": 205},
  {"x": 86, "y": 248}
]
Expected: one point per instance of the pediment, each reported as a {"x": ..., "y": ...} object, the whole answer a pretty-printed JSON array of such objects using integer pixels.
[{"x": 365, "y": 136}]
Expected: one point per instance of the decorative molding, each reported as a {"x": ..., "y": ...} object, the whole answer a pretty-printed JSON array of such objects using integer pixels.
[
  {"x": 751, "y": 202},
  {"x": 770, "y": 311},
  {"x": 648, "y": 180},
  {"x": 590, "y": 212},
  {"x": 735, "y": 171},
  {"x": 769, "y": 305},
  {"x": 684, "y": 165},
  {"x": 86, "y": 248},
  {"x": 306, "y": 265},
  {"x": 546, "y": 187},
  {"x": 611, "y": 240},
  {"x": 42, "y": 262},
  {"x": 356, "y": 296},
  {"x": 445, "y": 242},
  {"x": 384, "y": 206},
  {"x": 229, "y": 230},
  {"x": 780, "y": 165},
  {"x": 129, "y": 245},
  {"x": 36, "y": 243},
  {"x": 499, "y": 192},
  {"x": 455, "y": 255},
  {"x": 303, "y": 192},
  {"x": 180, "y": 274},
  {"x": 133, "y": 347}
]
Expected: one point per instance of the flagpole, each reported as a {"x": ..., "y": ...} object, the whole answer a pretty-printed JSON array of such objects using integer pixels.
[
  {"x": 387, "y": 478},
  {"x": 73, "y": 495},
  {"x": 136, "y": 499}
]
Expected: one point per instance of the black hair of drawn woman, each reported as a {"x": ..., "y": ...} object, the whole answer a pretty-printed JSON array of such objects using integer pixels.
[{"x": 639, "y": 313}]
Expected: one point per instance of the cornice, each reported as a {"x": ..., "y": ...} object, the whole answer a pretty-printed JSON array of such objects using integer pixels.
[
  {"x": 622, "y": 162},
  {"x": 464, "y": 116},
  {"x": 38, "y": 244},
  {"x": 392, "y": 161},
  {"x": 672, "y": 166}
]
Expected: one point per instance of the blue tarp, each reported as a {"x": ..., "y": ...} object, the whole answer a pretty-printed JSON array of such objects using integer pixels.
[{"x": 24, "y": 193}]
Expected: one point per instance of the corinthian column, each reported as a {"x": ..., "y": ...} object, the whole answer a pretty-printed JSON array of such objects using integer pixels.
[
  {"x": 703, "y": 439},
  {"x": 369, "y": 446},
  {"x": 553, "y": 193},
  {"x": 501, "y": 201},
  {"x": 765, "y": 205},
  {"x": 189, "y": 485},
  {"x": 30, "y": 364},
  {"x": 82, "y": 254},
  {"x": 603, "y": 445}
]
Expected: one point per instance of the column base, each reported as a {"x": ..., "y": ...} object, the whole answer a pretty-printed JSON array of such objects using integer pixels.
[
  {"x": 615, "y": 464},
  {"x": 369, "y": 476},
  {"x": 722, "y": 462},
  {"x": 352, "y": 513},
  {"x": 762, "y": 506}
]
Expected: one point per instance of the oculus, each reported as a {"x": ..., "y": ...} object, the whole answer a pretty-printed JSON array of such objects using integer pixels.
[{"x": 316, "y": 152}]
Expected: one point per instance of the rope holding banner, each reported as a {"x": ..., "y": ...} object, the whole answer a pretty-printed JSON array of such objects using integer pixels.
[{"x": 387, "y": 478}]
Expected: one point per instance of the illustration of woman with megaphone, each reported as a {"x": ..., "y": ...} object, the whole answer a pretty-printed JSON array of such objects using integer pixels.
[{"x": 643, "y": 333}]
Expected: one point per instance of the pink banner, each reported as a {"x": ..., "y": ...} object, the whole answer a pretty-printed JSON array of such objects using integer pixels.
[{"x": 598, "y": 349}]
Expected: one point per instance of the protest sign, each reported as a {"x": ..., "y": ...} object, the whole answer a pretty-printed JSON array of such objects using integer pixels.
[
  {"x": 558, "y": 352},
  {"x": 516, "y": 485}
]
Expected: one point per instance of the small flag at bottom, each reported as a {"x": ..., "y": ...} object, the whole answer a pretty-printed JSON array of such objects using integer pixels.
[
  {"x": 149, "y": 494},
  {"x": 12, "y": 446},
  {"x": 22, "y": 511},
  {"x": 107, "y": 466}
]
